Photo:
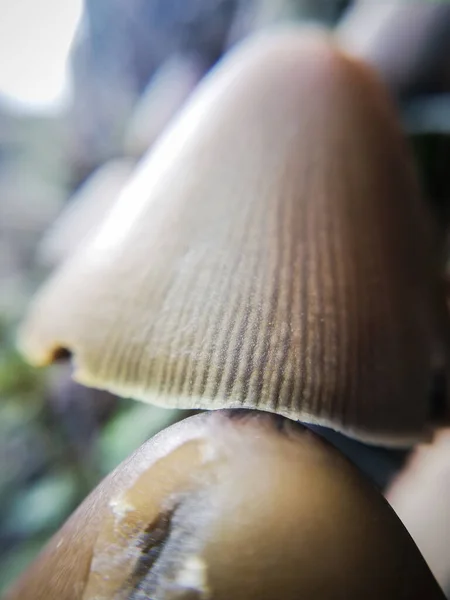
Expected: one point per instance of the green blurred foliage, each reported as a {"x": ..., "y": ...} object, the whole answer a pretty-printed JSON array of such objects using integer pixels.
[{"x": 130, "y": 427}]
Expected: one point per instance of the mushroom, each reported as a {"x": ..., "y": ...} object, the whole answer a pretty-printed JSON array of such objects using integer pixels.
[
  {"x": 272, "y": 252},
  {"x": 235, "y": 505}
]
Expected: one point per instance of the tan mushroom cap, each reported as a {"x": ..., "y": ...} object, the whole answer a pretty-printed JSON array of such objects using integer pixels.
[
  {"x": 232, "y": 506},
  {"x": 272, "y": 252}
]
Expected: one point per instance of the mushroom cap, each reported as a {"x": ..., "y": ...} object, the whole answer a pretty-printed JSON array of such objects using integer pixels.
[
  {"x": 272, "y": 252},
  {"x": 232, "y": 504}
]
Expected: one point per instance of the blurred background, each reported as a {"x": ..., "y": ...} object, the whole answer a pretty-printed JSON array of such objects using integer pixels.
[{"x": 85, "y": 89}]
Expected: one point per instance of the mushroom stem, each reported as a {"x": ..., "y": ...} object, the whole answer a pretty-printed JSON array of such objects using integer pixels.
[
  {"x": 232, "y": 504},
  {"x": 407, "y": 43}
]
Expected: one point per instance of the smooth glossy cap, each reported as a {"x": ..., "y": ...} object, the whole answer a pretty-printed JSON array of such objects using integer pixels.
[{"x": 232, "y": 504}]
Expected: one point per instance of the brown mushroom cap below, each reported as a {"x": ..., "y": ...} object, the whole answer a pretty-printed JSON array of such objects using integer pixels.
[
  {"x": 272, "y": 252},
  {"x": 232, "y": 504}
]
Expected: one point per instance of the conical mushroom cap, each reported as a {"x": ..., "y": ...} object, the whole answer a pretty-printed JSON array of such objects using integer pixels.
[
  {"x": 271, "y": 252},
  {"x": 225, "y": 506}
]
